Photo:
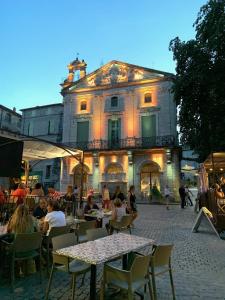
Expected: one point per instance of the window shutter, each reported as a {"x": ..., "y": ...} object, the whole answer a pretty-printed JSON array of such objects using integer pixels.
[
  {"x": 109, "y": 130},
  {"x": 83, "y": 131}
]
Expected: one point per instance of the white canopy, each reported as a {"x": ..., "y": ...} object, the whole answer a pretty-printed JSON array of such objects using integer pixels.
[{"x": 37, "y": 149}]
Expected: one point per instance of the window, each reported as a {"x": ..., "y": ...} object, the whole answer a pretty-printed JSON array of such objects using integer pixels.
[
  {"x": 148, "y": 98},
  {"x": 148, "y": 128},
  {"x": 19, "y": 122},
  {"x": 48, "y": 171},
  {"x": 83, "y": 105},
  {"x": 114, "y": 101},
  {"x": 50, "y": 126},
  {"x": 83, "y": 132},
  {"x": 114, "y": 131},
  {"x": 8, "y": 118}
]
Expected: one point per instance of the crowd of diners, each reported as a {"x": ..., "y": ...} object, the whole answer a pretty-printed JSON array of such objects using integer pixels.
[{"x": 53, "y": 209}]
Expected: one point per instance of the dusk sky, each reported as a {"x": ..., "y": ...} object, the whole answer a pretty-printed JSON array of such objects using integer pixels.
[{"x": 40, "y": 37}]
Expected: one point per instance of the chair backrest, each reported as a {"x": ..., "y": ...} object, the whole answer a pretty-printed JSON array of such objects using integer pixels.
[
  {"x": 126, "y": 221},
  {"x": 64, "y": 240},
  {"x": 96, "y": 233},
  {"x": 55, "y": 231},
  {"x": 161, "y": 255},
  {"x": 25, "y": 242},
  {"x": 84, "y": 226},
  {"x": 139, "y": 267}
]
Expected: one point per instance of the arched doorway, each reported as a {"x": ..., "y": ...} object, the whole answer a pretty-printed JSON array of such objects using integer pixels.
[
  {"x": 77, "y": 177},
  {"x": 149, "y": 177},
  {"x": 114, "y": 176}
]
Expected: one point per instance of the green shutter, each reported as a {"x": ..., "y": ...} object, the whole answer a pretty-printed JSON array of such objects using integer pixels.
[
  {"x": 148, "y": 126},
  {"x": 109, "y": 130},
  {"x": 153, "y": 125},
  {"x": 83, "y": 131},
  {"x": 119, "y": 128}
]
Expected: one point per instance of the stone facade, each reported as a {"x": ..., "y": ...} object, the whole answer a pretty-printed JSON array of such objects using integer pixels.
[
  {"x": 10, "y": 119},
  {"x": 124, "y": 118},
  {"x": 44, "y": 122}
]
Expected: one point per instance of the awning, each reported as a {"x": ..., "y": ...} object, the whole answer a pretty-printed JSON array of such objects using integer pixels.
[
  {"x": 215, "y": 161},
  {"x": 38, "y": 149}
]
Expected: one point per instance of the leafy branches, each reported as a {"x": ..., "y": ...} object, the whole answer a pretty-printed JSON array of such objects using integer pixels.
[{"x": 199, "y": 85}]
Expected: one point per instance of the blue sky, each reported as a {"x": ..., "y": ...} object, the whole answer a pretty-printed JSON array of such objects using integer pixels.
[{"x": 40, "y": 37}]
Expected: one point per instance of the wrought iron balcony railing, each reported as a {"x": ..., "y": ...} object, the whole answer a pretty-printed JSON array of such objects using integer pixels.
[{"x": 128, "y": 143}]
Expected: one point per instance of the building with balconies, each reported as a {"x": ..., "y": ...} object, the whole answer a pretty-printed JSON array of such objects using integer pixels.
[{"x": 123, "y": 117}]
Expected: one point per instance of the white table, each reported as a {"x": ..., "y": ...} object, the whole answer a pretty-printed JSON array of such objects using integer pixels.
[{"x": 104, "y": 249}]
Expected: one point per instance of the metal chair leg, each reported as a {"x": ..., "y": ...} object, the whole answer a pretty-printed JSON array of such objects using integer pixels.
[
  {"x": 74, "y": 286},
  {"x": 150, "y": 289},
  {"x": 172, "y": 285},
  {"x": 12, "y": 267},
  {"x": 153, "y": 283},
  {"x": 49, "y": 283}
]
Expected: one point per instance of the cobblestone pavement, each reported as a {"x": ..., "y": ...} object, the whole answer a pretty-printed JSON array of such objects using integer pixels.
[{"x": 198, "y": 261}]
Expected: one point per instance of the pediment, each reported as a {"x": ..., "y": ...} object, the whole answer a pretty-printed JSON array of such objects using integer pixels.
[{"x": 117, "y": 72}]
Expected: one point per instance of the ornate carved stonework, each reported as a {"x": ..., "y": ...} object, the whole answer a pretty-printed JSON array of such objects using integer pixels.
[{"x": 115, "y": 73}]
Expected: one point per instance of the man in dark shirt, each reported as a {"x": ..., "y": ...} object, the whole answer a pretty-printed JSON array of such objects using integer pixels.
[
  {"x": 182, "y": 195},
  {"x": 41, "y": 210}
]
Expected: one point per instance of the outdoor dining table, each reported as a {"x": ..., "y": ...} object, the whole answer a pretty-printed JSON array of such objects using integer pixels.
[{"x": 104, "y": 249}]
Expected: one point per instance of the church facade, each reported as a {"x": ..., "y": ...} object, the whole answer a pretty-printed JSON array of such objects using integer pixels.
[{"x": 123, "y": 117}]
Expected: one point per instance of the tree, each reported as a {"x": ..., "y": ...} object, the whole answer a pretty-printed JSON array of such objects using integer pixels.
[{"x": 199, "y": 84}]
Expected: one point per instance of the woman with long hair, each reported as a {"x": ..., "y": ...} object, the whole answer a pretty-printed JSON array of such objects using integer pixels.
[
  {"x": 21, "y": 221},
  {"x": 70, "y": 200}
]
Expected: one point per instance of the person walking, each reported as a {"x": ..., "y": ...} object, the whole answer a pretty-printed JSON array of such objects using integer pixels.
[
  {"x": 167, "y": 196},
  {"x": 182, "y": 195},
  {"x": 105, "y": 197},
  {"x": 131, "y": 204},
  {"x": 187, "y": 196}
]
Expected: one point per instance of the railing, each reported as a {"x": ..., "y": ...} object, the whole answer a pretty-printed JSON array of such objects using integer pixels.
[{"x": 128, "y": 143}]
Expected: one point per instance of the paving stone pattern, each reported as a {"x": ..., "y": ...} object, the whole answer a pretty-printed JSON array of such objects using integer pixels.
[{"x": 198, "y": 261}]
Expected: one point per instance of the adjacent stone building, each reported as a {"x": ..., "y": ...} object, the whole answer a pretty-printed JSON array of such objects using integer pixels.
[
  {"x": 44, "y": 122},
  {"x": 124, "y": 119},
  {"x": 10, "y": 119}
]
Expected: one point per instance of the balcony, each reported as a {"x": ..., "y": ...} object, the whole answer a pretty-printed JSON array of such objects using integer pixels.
[{"x": 128, "y": 143}]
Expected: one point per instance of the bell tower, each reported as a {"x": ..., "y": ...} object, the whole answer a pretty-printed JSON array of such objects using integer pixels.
[{"x": 76, "y": 67}]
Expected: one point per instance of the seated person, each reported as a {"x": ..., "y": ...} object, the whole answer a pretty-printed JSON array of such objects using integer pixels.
[
  {"x": 53, "y": 194},
  {"x": 19, "y": 194},
  {"x": 21, "y": 221},
  {"x": 41, "y": 210},
  {"x": 218, "y": 191},
  {"x": 89, "y": 206},
  {"x": 38, "y": 191},
  {"x": 54, "y": 217},
  {"x": 119, "y": 210}
]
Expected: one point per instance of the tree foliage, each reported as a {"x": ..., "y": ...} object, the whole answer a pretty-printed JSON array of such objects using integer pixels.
[{"x": 199, "y": 85}]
